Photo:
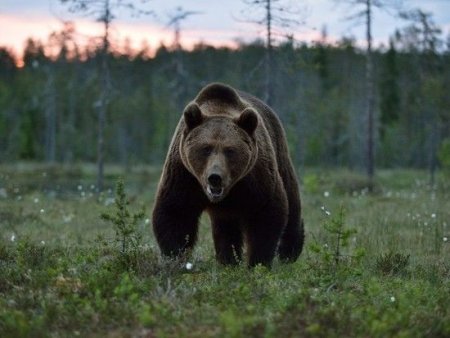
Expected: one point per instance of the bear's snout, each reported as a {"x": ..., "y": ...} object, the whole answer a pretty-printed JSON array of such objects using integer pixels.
[
  {"x": 215, "y": 180},
  {"x": 214, "y": 188}
]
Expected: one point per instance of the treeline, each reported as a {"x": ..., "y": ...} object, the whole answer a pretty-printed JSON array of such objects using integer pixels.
[{"x": 48, "y": 106}]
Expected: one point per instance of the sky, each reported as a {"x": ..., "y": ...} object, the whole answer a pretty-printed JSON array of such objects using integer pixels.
[{"x": 217, "y": 22}]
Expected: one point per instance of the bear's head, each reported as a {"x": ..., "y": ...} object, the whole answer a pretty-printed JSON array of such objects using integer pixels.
[{"x": 218, "y": 150}]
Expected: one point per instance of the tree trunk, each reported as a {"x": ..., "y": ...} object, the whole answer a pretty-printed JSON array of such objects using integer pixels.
[
  {"x": 370, "y": 99},
  {"x": 69, "y": 125},
  {"x": 269, "y": 56},
  {"x": 50, "y": 117},
  {"x": 104, "y": 99},
  {"x": 434, "y": 141}
]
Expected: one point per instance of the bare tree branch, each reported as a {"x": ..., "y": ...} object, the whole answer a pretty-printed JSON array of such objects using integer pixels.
[{"x": 273, "y": 15}]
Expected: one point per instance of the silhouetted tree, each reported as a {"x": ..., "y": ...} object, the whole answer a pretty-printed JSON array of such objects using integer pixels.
[
  {"x": 366, "y": 13},
  {"x": 274, "y": 16},
  {"x": 389, "y": 88},
  {"x": 426, "y": 33},
  {"x": 103, "y": 11}
]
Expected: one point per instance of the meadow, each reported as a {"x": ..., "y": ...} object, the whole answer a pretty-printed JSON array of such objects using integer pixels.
[{"x": 374, "y": 264}]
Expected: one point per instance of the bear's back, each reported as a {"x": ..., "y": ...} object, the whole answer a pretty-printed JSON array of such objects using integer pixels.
[{"x": 220, "y": 99}]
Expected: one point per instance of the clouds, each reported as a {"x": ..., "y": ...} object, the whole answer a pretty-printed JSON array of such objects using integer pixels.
[{"x": 216, "y": 24}]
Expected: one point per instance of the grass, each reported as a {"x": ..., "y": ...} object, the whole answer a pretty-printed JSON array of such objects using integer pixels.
[{"x": 62, "y": 271}]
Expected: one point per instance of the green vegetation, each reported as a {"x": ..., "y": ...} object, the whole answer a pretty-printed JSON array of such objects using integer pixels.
[
  {"x": 381, "y": 268},
  {"x": 125, "y": 225}
]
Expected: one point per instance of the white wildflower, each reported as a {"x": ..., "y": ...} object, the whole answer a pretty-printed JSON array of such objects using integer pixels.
[
  {"x": 189, "y": 266},
  {"x": 433, "y": 215},
  {"x": 80, "y": 187},
  {"x": 392, "y": 299},
  {"x": 42, "y": 242},
  {"x": 325, "y": 211},
  {"x": 42, "y": 211},
  {"x": 68, "y": 218},
  {"x": 326, "y": 194},
  {"x": 36, "y": 200},
  {"x": 13, "y": 238},
  {"x": 3, "y": 193},
  {"x": 445, "y": 239},
  {"x": 147, "y": 221}
]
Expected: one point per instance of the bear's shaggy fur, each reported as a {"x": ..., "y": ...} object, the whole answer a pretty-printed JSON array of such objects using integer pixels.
[{"x": 229, "y": 157}]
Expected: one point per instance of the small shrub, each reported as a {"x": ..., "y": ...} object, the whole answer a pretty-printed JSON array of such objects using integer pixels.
[
  {"x": 392, "y": 263},
  {"x": 6, "y": 254},
  {"x": 337, "y": 258},
  {"x": 31, "y": 255},
  {"x": 125, "y": 224}
]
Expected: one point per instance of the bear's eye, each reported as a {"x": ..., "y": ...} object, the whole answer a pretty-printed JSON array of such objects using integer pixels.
[
  {"x": 206, "y": 150},
  {"x": 230, "y": 152}
]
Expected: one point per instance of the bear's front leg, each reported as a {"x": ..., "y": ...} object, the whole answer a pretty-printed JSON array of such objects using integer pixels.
[
  {"x": 263, "y": 231},
  {"x": 175, "y": 228},
  {"x": 178, "y": 205},
  {"x": 227, "y": 235},
  {"x": 263, "y": 234}
]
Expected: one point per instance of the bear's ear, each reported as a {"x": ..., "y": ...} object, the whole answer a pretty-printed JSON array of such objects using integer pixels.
[
  {"x": 248, "y": 120},
  {"x": 193, "y": 116}
]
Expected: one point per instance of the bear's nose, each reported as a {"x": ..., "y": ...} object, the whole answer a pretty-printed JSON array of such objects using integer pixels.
[{"x": 215, "y": 180}]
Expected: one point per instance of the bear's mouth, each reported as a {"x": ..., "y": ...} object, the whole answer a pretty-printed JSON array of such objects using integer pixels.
[{"x": 214, "y": 193}]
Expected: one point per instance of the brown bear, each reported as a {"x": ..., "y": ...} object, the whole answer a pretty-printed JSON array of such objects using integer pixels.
[{"x": 229, "y": 157}]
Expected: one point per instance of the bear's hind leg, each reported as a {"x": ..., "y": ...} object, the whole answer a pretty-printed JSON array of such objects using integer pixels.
[
  {"x": 227, "y": 235},
  {"x": 291, "y": 243}
]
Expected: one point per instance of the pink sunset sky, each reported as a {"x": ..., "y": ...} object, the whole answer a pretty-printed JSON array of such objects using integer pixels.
[{"x": 220, "y": 23}]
